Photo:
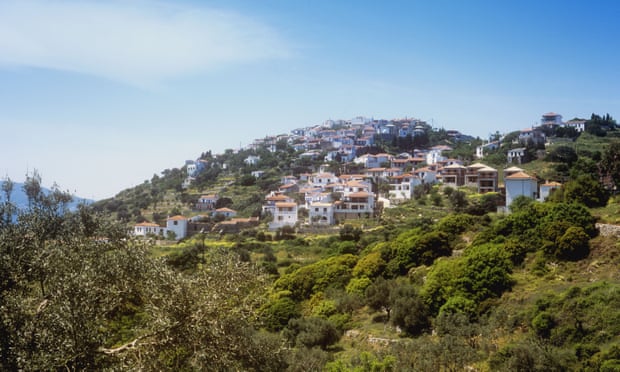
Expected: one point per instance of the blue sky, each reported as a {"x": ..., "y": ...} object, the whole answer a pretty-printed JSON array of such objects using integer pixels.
[{"x": 100, "y": 95}]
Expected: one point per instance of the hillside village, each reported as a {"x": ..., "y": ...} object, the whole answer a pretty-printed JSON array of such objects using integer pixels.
[
  {"x": 355, "y": 180},
  {"x": 415, "y": 254}
]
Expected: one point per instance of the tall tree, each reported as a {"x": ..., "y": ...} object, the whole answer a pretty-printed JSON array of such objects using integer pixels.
[{"x": 610, "y": 165}]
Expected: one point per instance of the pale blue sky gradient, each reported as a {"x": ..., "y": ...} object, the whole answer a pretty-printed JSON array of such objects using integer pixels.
[{"x": 99, "y": 96}]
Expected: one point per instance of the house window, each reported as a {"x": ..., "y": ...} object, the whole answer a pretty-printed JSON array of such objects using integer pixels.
[{"x": 176, "y": 223}]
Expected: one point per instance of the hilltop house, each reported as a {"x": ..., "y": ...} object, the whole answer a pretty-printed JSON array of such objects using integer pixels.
[
  {"x": 355, "y": 205},
  {"x": 516, "y": 155},
  {"x": 551, "y": 119},
  {"x": 226, "y": 212},
  {"x": 282, "y": 208},
  {"x": 531, "y": 136},
  {"x": 483, "y": 149},
  {"x": 176, "y": 224},
  {"x": 520, "y": 184},
  {"x": 321, "y": 213},
  {"x": 285, "y": 214},
  {"x": 546, "y": 189},
  {"x": 251, "y": 160},
  {"x": 578, "y": 124},
  {"x": 373, "y": 161},
  {"x": 453, "y": 175},
  {"x": 408, "y": 162},
  {"x": 426, "y": 174},
  {"x": 481, "y": 176},
  {"x": 434, "y": 155},
  {"x": 207, "y": 202},
  {"x": 148, "y": 228},
  {"x": 401, "y": 187}
]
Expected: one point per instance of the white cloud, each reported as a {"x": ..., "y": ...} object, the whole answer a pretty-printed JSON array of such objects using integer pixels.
[{"x": 137, "y": 42}]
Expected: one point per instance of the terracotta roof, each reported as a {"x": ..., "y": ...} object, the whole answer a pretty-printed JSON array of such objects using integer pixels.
[
  {"x": 225, "y": 210},
  {"x": 356, "y": 183},
  {"x": 177, "y": 218},
  {"x": 359, "y": 194},
  {"x": 286, "y": 205},
  {"x": 454, "y": 166},
  {"x": 552, "y": 183},
  {"x": 520, "y": 176},
  {"x": 277, "y": 197},
  {"x": 351, "y": 176},
  {"x": 147, "y": 224}
]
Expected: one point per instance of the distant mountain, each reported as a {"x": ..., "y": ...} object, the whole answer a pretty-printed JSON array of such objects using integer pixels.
[{"x": 20, "y": 199}]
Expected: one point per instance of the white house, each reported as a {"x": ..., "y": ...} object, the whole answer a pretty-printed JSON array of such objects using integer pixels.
[
  {"x": 373, "y": 161},
  {"x": 426, "y": 175},
  {"x": 226, "y": 212},
  {"x": 401, "y": 187},
  {"x": 578, "y": 124},
  {"x": 252, "y": 160},
  {"x": 207, "y": 202},
  {"x": 323, "y": 179},
  {"x": 519, "y": 184},
  {"x": 272, "y": 200},
  {"x": 321, "y": 213},
  {"x": 434, "y": 155},
  {"x": 551, "y": 119},
  {"x": 355, "y": 205},
  {"x": 516, "y": 155},
  {"x": 482, "y": 149},
  {"x": 148, "y": 228},
  {"x": 177, "y": 225},
  {"x": 285, "y": 214},
  {"x": 191, "y": 168},
  {"x": 531, "y": 135},
  {"x": 546, "y": 188}
]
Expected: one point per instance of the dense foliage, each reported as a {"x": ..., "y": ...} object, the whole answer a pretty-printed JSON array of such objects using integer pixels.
[{"x": 77, "y": 294}]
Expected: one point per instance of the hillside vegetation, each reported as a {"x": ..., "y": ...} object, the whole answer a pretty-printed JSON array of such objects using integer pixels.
[{"x": 440, "y": 283}]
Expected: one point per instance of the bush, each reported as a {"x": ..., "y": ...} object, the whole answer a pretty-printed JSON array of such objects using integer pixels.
[
  {"x": 369, "y": 266},
  {"x": 408, "y": 310},
  {"x": 350, "y": 233},
  {"x": 573, "y": 245},
  {"x": 276, "y": 314},
  {"x": 543, "y": 323},
  {"x": 358, "y": 285},
  {"x": 332, "y": 272},
  {"x": 459, "y": 305},
  {"x": 311, "y": 332}
]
